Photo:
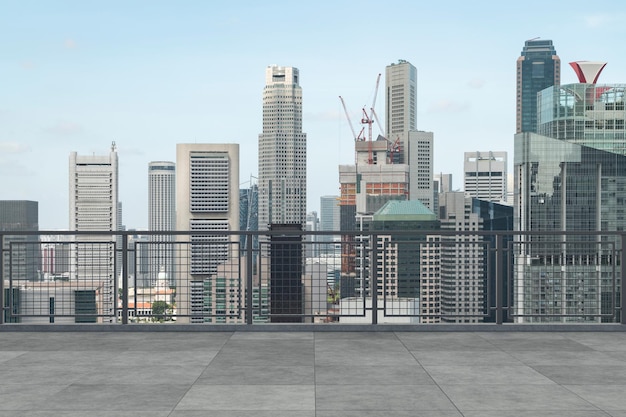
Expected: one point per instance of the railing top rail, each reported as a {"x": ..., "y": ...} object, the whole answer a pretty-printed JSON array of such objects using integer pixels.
[{"x": 413, "y": 232}]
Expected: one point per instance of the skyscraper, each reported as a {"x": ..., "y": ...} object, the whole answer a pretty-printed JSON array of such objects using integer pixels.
[
  {"x": 571, "y": 176},
  {"x": 400, "y": 98},
  {"x": 329, "y": 221},
  {"x": 538, "y": 67},
  {"x": 207, "y": 199},
  {"x": 93, "y": 184},
  {"x": 161, "y": 216},
  {"x": 282, "y": 150},
  {"x": 485, "y": 175}
]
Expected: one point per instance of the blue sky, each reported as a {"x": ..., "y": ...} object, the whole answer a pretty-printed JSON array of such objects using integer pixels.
[{"x": 77, "y": 75}]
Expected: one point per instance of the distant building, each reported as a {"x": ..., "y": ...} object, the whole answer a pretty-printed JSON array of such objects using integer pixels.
[
  {"x": 312, "y": 248},
  {"x": 94, "y": 207},
  {"x": 207, "y": 200},
  {"x": 571, "y": 176},
  {"x": 161, "y": 217},
  {"x": 22, "y": 259},
  {"x": 486, "y": 175},
  {"x": 282, "y": 150},
  {"x": 400, "y": 99},
  {"x": 463, "y": 261},
  {"x": 538, "y": 67},
  {"x": 329, "y": 221}
]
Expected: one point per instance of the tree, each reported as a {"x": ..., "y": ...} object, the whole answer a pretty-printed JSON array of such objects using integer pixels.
[{"x": 159, "y": 308}]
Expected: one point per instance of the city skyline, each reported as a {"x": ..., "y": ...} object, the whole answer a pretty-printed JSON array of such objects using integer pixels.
[{"x": 173, "y": 74}]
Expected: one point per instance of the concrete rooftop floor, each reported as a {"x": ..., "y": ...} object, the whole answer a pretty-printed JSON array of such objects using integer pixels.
[{"x": 312, "y": 374}]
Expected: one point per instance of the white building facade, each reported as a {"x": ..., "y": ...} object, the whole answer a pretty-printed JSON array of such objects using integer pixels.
[
  {"x": 161, "y": 217},
  {"x": 207, "y": 200},
  {"x": 282, "y": 150}
]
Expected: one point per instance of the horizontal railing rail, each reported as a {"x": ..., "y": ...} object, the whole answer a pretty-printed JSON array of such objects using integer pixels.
[{"x": 288, "y": 276}]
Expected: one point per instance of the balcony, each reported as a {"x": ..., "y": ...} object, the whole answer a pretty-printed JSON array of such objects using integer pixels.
[{"x": 80, "y": 340}]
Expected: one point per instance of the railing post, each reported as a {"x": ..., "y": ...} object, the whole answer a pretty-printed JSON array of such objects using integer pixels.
[
  {"x": 249, "y": 288},
  {"x": 374, "y": 277},
  {"x": 622, "y": 303},
  {"x": 2, "y": 307},
  {"x": 124, "y": 279},
  {"x": 499, "y": 278}
]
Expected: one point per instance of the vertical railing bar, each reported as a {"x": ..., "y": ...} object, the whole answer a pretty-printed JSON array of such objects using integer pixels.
[
  {"x": 499, "y": 278},
  {"x": 124, "y": 278},
  {"x": 622, "y": 318},
  {"x": 249, "y": 280},
  {"x": 374, "y": 277}
]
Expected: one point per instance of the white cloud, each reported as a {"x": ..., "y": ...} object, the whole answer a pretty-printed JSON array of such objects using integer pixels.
[
  {"x": 13, "y": 147},
  {"x": 64, "y": 128},
  {"x": 448, "y": 106}
]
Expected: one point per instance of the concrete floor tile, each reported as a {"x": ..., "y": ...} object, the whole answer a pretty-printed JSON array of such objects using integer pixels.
[
  {"x": 567, "y": 358},
  {"x": 249, "y": 397},
  {"x": 485, "y": 375},
  {"x": 272, "y": 336},
  {"x": 372, "y": 375},
  {"x": 92, "y": 413},
  {"x": 243, "y": 413},
  {"x": 605, "y": 397},
  {"x": 142, "y": 374},
  {"x": 388, "y": 413},
  {"x": 381, "y": 398},
  {"x": 540, "y": 397},
  {"x": 584, "y": 375},
  {"x": 257, "y": 375},
  {"x": 121, "y": 397},
  {"x": 445, "y": 342},
  {"x": 462, "y": 357},
  {"x": 544, "y": 413},
  {"x": 22, "y": 397}
]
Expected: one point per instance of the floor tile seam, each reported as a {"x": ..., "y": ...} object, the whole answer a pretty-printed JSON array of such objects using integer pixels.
[
  {"x": 565, "y": 387},
  {"x": 190, "y": 387},
  {"x": 409, "y": 351}
]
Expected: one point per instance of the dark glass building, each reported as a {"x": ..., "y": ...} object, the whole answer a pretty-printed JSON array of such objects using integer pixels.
[
  {"x": 538, "y": 67},
  {"x": 571, "y": 177},
  {"x": 22, "y": 259}
]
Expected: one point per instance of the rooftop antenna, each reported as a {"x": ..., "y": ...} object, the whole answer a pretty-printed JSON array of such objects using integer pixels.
[{"x": 113, "y": 147}]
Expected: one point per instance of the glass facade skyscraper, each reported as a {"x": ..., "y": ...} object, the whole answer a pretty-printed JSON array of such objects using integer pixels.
[
  {"x": 570, "y": 177},
  {"x": 538, "y": 67}
]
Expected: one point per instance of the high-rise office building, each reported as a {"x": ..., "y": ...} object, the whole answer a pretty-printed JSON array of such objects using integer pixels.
[
  {"x": 207, "y": 200},
  {"x": 538, "y": 67},
  {"x": 463, "y": 261},
  {"x": 570, "y": 176},
  {"x": 282, "y": 150},
  {"x": 161, "y": 217},
  {"x": 419, "y": 157},
  {"x": 400, "y": 99},
  {"x": 329, "y": 221},
  {"x": 93, "y": 201},
  {"x": 22, "y": 257},
  {"x": 485, "y": 175}
]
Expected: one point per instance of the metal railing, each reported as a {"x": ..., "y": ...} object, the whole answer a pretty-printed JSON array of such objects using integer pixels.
[{"x": 410, "y": 277}]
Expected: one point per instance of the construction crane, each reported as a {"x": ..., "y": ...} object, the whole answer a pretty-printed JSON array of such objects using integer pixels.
[
  {"x": 367, "y": 119},
  {"x": 354, "y": 135}
]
